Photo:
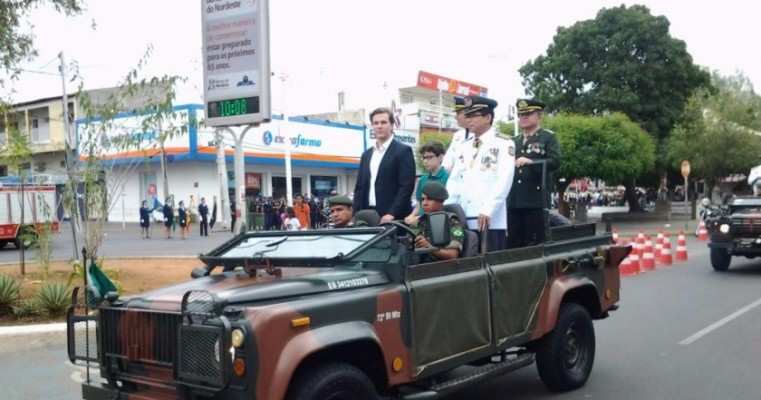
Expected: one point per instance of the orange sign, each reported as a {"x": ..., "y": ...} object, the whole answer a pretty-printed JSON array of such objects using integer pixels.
[
  {"x": 448, "y": 85},
  {"x": 253, "y": 180},
  {"x": 685, "y": 169}
]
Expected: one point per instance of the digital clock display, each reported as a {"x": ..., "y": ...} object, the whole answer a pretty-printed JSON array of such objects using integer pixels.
[{"x": 232, "y": 107}]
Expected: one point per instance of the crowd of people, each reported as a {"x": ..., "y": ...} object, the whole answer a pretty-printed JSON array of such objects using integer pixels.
[{"x": 495, "y": 179}]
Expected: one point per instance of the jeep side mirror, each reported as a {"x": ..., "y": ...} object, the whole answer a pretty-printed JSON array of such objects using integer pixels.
[{"x": 438, "y": 223}]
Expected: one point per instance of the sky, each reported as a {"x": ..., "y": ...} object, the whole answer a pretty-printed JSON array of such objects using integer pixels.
[{"x": 366, "y": 49}]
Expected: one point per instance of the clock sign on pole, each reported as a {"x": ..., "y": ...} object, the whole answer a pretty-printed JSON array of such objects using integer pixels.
[{"x": 236, "y": 58}]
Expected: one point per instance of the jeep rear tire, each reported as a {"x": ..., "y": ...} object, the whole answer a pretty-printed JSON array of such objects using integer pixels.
[
  {"x": 720, "y": 259},
  {"x": 334, "y": 381},
  {"x": 565, "y": 356}
]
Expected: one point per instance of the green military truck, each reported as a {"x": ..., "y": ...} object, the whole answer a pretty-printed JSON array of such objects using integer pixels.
[
  {"x": 351, "y": 314},
  {"x": 734, "y": 230}
]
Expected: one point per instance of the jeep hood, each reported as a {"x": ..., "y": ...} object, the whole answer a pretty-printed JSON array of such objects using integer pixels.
[{"x": 238, "y": 288}]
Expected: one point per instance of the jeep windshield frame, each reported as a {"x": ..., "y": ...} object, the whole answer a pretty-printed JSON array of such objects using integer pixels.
[{"x": 310, "y": 248}]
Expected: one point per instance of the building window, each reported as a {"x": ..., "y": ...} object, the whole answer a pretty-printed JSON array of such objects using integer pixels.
[
  {"x": 39, "y": 132},
  {"x": 323, "y": 185}
]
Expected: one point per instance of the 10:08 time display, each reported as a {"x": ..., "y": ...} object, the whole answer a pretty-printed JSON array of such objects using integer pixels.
[{"x": 233, "y": 107}]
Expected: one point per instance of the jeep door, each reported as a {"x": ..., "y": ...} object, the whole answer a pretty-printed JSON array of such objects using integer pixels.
[{"x": 450, "y": 313}]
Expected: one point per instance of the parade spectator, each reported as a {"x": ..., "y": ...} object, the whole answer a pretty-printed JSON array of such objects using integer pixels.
[
  {"x": 183, "y": 219},
  {"x": 145, "y": 220},
  {"x": 303, "y": 212},
  {"x": 168, "y": 212},
  {"x": 291, "y": 222},
  {"x": 203, "y": 212}
]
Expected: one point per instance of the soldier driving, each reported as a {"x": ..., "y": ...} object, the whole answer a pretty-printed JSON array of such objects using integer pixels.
[
  {"x": 526, "y": 223},
  {"x": 434, "y": 195},
  {"x": 341, "y": 213}
]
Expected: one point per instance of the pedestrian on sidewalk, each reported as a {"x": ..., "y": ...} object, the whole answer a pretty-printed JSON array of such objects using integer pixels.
[
  {"x": 183, "y": 220},
  {"x": 203, "y": 211},
  {"x": 145, "y": 220},
  {"x": 168, "y": 217}
]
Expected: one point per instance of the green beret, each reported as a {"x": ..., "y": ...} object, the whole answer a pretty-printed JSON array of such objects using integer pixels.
[
  {"x": 529, "y": 105},
  {"x": 435, "y": 191},
  {"x": 339, "y": 200},
  {"x": 479, "y": 103}
]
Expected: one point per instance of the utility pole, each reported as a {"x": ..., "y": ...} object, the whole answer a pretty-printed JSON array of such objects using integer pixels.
[{"x": 68, "y": 156}]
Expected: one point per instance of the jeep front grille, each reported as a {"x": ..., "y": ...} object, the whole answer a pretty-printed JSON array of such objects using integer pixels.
[
  {"x": 746, "y": 227},
  {"x": 203, "y": 355},
  {"x": 140, "y": 335}
]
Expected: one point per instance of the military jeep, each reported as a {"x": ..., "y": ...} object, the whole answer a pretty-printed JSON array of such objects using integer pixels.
[
  {"x": 734, "y": 230},
  {"x": 351, "y": 314}
]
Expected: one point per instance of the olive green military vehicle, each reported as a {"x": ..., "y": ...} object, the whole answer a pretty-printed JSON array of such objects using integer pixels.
[
  {"x": 734, "y": 230},
  {"x": 351, "y": 314}
]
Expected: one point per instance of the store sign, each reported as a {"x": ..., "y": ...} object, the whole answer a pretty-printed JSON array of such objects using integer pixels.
[
  {"x": 448, "y": 85},
  {"x": 409, "y": 137},
  {"x": 132, "y": 134},
  {"x": 253, "y": 180}
]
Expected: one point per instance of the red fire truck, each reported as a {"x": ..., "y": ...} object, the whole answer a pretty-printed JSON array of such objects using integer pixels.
[{"x": 18, "y": 217}]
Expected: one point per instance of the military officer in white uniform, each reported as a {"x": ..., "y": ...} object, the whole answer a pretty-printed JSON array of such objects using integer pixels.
[
  {"x": 455, "y": 146},
  {"x": 483, "y": 173}
]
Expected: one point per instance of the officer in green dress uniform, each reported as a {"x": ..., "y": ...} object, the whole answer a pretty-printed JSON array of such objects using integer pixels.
[
  {"x": 341, "y": 213},
  {"x": 434, "y": 195},
  {"x": 526, "y": 222}
]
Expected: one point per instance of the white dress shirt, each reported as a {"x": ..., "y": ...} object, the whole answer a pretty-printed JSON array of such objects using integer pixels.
[{"x": 379, "y": 150}]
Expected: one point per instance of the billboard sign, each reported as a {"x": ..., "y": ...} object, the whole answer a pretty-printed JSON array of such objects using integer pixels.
[
  {"x": 448, "y": 85},
  {"x": 236, "y": 58}
]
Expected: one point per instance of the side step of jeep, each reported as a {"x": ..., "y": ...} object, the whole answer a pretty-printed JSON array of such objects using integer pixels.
[{"x": 470, "y": 377}]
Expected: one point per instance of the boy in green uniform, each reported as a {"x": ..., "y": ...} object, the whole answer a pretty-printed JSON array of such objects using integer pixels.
[{"x": 434, "y": 195}]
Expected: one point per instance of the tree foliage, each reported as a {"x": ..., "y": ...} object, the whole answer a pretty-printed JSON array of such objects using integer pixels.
[
  {"x": 16, "y": 37},
  {"x": 721, "y": 132},
  {"x": 624, "y": 60}
]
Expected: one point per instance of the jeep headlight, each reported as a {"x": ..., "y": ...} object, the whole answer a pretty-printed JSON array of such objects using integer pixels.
[
  {"x": 237, "y": 338},
  {"x": 724, "y": 228}
]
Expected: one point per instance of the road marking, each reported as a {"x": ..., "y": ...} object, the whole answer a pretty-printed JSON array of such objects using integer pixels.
[{"x": 719, "y": 323}]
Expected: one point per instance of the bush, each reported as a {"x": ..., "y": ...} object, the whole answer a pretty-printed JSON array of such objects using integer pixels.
[
  {"x": 53, "y": 298},
  {"x": 10, "y": 294},
  {"x": 26, "y": 308}
]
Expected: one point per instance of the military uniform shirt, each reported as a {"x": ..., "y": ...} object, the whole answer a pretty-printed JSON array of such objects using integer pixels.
[
  {"x": 481, "y": 178},
  {"x": 456, "y": 231},
  {"x": 526, "y": 191},
  {"x": 454, "y": 149}
]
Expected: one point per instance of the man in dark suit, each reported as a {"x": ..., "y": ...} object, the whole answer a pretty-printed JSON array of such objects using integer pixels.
[{"x": 386, "y": 172}]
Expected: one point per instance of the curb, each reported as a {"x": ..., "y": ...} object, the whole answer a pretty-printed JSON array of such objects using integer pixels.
[{"x": 18, "y": 330}]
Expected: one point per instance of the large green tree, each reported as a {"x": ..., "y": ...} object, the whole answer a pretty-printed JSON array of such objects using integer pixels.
[
  {"x": 720, "y": 133},
  {"x": 625, "y": 60},
  {"x": 610, "y": 147},
  {"x": 16, "y": 37}
]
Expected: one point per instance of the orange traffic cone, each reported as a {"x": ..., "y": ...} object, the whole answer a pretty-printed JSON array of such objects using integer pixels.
[
  {"x": 648, "y": 258},
  {"x": 681, "y": 247},
  {"x": 658, "y": 244},
  {"x": 641, "y": 237},
  {"x": 665, "y": 257},
  {"x": 702, "y": 231},
  {"x": 626, "y": 268},
  {"x": 635, "y": 263}
]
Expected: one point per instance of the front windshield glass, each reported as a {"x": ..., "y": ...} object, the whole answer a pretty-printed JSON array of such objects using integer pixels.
[{"x": 301, "y": 246}]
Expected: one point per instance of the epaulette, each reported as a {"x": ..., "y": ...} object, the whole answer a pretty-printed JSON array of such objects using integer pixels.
[
  {"x": 504, "y": 136},
  {"x": 547, "y": 130}
]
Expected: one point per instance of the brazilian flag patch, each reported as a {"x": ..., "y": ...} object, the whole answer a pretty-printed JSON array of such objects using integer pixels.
[{"x": 457, "y": 232}]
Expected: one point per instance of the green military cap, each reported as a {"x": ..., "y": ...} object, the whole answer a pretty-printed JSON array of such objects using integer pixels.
[
  {"x": 435, "y": 191},
  {"x": 479, "y": 103},
  {"x": 529, "y": 105},
  {"x": 459, "y": 103},
  {"x": 339, "y": 200}
]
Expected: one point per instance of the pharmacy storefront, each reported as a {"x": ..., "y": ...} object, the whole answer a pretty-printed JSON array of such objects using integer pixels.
[{"x": 199, "y": 163}]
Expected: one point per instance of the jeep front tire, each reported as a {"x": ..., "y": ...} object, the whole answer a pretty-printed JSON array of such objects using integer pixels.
[
  {"x": 332, "y": 380},
  {"x": 720, "y": 259},
  {"x": 564, "y": 357}
]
